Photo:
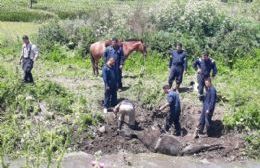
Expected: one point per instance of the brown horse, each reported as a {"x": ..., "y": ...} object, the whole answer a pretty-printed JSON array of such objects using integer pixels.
[{"x": 97, "y": 50}]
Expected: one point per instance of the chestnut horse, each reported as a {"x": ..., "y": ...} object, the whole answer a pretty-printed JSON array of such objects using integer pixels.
[{"x": 97, "y": 50}]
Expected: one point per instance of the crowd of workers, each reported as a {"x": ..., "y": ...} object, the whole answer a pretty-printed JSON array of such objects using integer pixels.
[{"x": 112, "y": 77}]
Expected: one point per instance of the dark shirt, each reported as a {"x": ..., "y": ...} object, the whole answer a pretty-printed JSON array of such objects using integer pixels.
[
  {"x": 178, "y": 59},
  {"x": 210, "y": 99},
  {"x": 109, "y": 76},
  {"x": 174, "y": 101},
  {"x": 206, "y": 66},
  {"x": 118, "y": 55}
]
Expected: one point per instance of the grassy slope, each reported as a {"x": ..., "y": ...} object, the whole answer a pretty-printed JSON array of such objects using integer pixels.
[
  {"x": 14, "y": 30},
  {"x": 46, "y": 9}
]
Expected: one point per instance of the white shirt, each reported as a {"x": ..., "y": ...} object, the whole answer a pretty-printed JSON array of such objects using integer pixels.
[{"x": 30, "y": 50}]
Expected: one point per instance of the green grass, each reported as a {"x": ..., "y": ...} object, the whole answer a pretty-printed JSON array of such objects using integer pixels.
[
  {"x": 13, "y": 31},
  {"x": 17, "y": 10}
]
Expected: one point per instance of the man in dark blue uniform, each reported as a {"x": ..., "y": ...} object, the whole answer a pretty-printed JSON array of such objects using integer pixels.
[
  {"x": 116, "y": 51},
  {"x": 109, "y": 77},
  {"x": 177, "y": 66},
  {"x": 208, "y": 107},
  {"x": 173, "y": 116},
  {"x": 204, "y": 66}
]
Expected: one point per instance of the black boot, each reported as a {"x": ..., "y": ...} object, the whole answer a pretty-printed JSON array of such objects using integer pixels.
[{"x": 133, "y": 127}]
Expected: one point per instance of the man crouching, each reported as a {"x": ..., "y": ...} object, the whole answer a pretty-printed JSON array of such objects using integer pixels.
[{"x": 125, "y": 107}]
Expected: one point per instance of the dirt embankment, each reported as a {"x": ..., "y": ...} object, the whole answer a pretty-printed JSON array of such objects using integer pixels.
[{"x": 112, "y": 142}]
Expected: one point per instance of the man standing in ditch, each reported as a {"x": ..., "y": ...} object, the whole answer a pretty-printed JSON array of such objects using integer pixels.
[
  {"x": 208, "y": 108},
  {"x": 124, "y": 108},
  {"x": 109, "y": 78},
  {"x": 173, "y": 116},
  {"x": 116, "y": 51},
  {"x": 28, "y": 56},
  {"x": 204, "y": 66},
  {"x": 177, "y": 66}
]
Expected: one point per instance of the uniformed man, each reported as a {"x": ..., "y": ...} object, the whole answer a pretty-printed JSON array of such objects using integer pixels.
[
  {"x": 204, "y": 66},
  {"x": 28, "y": 56},
  {"x": 124, "y": 108},
  {"x": 109, "y": 78},
  {"x": 116, "y": 51},
  {"x": 208, "y": 107},
  {"x": 177, "y": 66},
  {"x": 173, "y": 116}
]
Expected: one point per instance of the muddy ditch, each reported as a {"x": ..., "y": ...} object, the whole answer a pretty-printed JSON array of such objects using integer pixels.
[{"x": 109, "y": 141}]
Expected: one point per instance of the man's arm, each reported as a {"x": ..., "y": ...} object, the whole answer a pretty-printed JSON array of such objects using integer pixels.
[
  {"x": 122, "y": 58},
  {"x": 185, "y": 63},
  {"x": 170, "y": 99},
  {"x": 214, "y": 68},
  {"x": 105, "y": 56},
  {"x": 196, "y": 66},
  {"x": 116, "y": 108},
  {"x": 164, "y": 106},
  {"x": 21, "y": 56},
  {"x": 35, "y": 51},
  {"x": 105, "y": 79},
  {"x": 212, "y": 101}
]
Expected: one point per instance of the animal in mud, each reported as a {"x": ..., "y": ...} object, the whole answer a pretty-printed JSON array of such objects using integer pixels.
[
  {"x": 97, "y": 50},
  {"x": 169, "y": 145}
]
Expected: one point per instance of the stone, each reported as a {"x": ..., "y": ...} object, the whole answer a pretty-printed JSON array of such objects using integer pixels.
[{"x": 102, "y": 129}]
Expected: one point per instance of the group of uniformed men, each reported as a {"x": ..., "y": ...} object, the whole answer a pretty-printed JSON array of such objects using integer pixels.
[
  {"x": 205, "y": 66},
  {"x": 112, "y": 76}
]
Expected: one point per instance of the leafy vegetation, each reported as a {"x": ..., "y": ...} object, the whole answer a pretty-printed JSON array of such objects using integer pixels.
[{"x": 39, "y": 122}]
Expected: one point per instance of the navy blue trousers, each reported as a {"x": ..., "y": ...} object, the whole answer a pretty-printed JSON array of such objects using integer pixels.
[
  {"x": 110, "y": 97},
  {"x": 119, "y": 78},
  {"x": 175, "y": 74},
  {"x": 201, "y": 82},
  {"x": 27, "y": 68},
  {"x": 173, "y": 118},
  {"x": 205, "y": 120}
]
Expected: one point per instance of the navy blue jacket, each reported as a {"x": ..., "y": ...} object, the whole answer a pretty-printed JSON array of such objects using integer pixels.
[
  {"x": 109, "y": 76},
  {"x": 174, "y": 101},
  {"x": 206, "y": 66},
  {"x": 118, "y": 55},
  {"x": 210, "y": 99},
  {"x": 178, "y": 59}
]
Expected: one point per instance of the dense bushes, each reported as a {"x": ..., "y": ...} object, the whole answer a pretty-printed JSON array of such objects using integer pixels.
[
  {"x": 243, "y": 94},
  {"x": 68, "y": 33},
  {"x": 196, "y": 24}
]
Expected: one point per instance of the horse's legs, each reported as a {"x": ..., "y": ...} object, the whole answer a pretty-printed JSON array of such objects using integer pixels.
[
  {"x": 96, "y": 68},
  {"x": 93, "y": 64}
]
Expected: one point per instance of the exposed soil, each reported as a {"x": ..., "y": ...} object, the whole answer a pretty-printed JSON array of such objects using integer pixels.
[{"x": 110, "y": 142}]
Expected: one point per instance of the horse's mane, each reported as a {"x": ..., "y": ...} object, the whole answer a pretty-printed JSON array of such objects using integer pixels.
[{"x": 133, "y": 40}]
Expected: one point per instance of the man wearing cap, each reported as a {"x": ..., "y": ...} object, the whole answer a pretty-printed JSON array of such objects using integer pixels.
[
  {"x": 116, "y": 51},
  {"x": 28, "y": 56},
  {"x": 109, "y": 78},
  {"x": 204, "y": 66},
  {"x": 177, "y": 66}
]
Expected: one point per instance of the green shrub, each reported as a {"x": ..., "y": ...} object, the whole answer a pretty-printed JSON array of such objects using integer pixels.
[
  {"x": 55, "y": 55},
  {"x": 254, "y": 145},
  {"x": 50, "y": 34},
  {"x": 199, "y": 26}
]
